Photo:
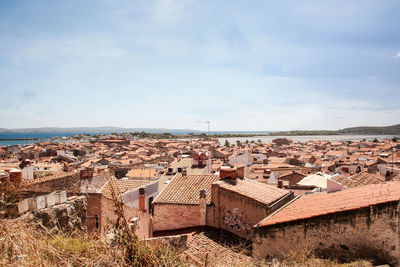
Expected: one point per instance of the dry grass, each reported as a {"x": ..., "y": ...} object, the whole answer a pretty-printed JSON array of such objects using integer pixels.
[
  {"x": 306, "y": 258},
  {"x": 21, "y": 244}
]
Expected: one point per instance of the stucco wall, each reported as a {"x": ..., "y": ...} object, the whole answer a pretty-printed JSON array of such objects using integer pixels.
[
  {"x": 371, "y": 232},
  {"x": 175, "y": 216},
  {"x": 105, "y": 210},
  {"x": 242, "y": 159},
  {"x": 233, "y": 212},
  {"x": 131, "y": 198}
]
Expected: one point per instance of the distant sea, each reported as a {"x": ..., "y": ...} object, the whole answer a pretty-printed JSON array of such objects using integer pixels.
[
  {"x": 44, "y": 136},
  {"x": 331, "y": 138},
  {"x": 266, "y": 139},
  {"x": 40, "y": 136}
]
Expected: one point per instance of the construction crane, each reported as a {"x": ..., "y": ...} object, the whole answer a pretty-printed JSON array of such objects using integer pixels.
[{"x": 208, "y": 124}]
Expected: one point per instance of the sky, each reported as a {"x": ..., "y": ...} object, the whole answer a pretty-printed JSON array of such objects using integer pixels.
[{"x": 243, "y": 65}]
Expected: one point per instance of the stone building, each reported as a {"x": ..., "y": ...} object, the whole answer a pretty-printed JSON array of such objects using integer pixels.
[
  {"x": 292, "y": 177},
  {"x": 101, "y": 216},
  {"x": 226, "y": 201},
  {"x": 183, "y": 202},
  {"x": 238, "y": 203},
  {"x": 129, "y": 190},
  {"x": 361, "y": 222}
]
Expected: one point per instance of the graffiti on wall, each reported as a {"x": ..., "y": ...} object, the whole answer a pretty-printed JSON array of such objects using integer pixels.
[{"x": 236, "y": 220}]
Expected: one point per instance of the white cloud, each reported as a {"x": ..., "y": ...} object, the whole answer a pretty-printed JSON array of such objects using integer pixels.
[
  {"x": 397, "y": 55},
  {"x": 169, "y": 11},
  {"x": 77, "y": 47}
]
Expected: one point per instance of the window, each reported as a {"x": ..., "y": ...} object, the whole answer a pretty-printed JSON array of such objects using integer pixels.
[
  {"x": 150, "y": 208},
  {"x": 97, "y": 221}
]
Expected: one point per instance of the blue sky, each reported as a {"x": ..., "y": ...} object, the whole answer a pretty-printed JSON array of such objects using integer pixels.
[{"x": 243, "y": 65}]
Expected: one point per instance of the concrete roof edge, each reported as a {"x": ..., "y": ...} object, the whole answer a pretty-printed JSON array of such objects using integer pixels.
[{"x": 275, "y": 212}]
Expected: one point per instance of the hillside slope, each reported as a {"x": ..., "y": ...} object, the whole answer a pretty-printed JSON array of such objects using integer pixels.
[{"x": 387, "y": 130}]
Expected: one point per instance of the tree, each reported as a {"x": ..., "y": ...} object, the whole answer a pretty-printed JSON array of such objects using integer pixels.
[
  {"x": 227, "y": 143},
  {"x": 238, "y": 143}
]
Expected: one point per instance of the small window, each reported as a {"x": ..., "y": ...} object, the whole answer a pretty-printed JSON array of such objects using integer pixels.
[
  {"x": 150, "y": 209},
  {"x": 97, "y": 222}
]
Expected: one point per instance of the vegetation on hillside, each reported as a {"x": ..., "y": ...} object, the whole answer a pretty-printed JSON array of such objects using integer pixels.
[
  {"x": 388, "y": 130},
  {"x": 21, "y": 245}
]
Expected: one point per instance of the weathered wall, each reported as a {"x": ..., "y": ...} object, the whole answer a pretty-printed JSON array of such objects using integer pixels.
[
  {"x": 242, "y": 159},
  {"x": 70, "y": 183},
  {"x": 131, "y": 198},
  {"x": 66, "y": 217},
  {"x": 371, "y": 233},
  {"x": 94, "y": 184},
  {"x": 104, "y": 210},
  {"x": 233, "y": 212},
  {"x": 94, "y": 212},
  {"x": 175, "y": 216},
  {"x": 292, "y": 178}
]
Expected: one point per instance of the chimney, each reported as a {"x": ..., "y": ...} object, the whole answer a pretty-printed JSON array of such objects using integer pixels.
[
  {"x": 142, "y": 199},
  {"x": 280, "y": 184},
  {"x": 202, "y": 193},
  {"x": 203, "y": 203},
  {"x": 228, "y": 174},
  {"x": 84, "y": 173},
  {"x": 240, "y": 172}
]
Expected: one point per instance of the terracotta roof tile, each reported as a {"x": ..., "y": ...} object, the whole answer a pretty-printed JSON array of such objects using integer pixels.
[
  {"x": 142, "y": 173},
  {"x": 321, "y": 204},
  {"x": 362, "y": 178},
  {"x": 260, "y": 192},
  {"x": 186, "y": 189},
  {"x": 201, "y": 247},
  {"x": 123, "y": 186}
]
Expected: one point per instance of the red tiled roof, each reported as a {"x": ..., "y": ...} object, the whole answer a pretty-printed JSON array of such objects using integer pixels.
[
  {"x": 362, "y": 178},
  {"x": 201, "y": 246},
  {"x": 322, "y": 204},
  {"x": 186, "y": 189},
  {"x": 263, "y": 193},
  {"x": 122, "y": 186}
]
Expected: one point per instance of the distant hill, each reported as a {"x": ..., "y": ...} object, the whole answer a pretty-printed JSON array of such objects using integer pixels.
[
  {"x": 362, "y": 130},
  {"x": 102, "y": 129},
  {"x": 386, "y": 130},
  {"x": 112, "y": 129}
]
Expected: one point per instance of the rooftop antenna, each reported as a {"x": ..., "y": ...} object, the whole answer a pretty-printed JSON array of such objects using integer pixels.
[{"x": 208, "y": 124}]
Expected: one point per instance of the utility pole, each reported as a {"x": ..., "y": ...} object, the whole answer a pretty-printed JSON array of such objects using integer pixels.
[{"x": 208, "y": 125}]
